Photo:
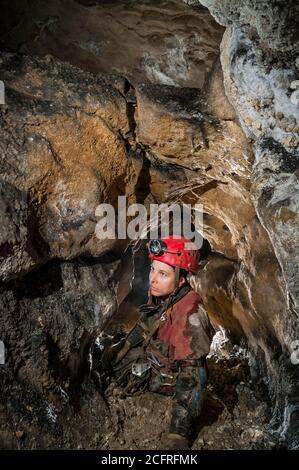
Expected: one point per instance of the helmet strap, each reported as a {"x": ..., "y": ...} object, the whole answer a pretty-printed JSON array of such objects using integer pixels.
[{"x": 177, "y": 275}]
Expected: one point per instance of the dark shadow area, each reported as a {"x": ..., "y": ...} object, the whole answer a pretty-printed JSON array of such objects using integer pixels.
[
  {"x": 224, "y": 375},
  {"x": 39, "y": 283}
]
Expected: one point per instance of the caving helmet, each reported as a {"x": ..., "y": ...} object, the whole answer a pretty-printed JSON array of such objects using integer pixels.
[{"x": 178, "y": 252}]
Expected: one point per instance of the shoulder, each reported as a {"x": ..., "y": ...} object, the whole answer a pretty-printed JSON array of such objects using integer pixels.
[
  {"x": 192, "y": 308},
  {"x": 190, "y": 301}
]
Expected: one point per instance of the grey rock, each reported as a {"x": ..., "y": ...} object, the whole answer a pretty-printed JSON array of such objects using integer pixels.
[{"x": 275, "y": 23}]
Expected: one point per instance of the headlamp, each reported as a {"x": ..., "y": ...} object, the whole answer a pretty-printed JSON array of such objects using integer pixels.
[
  {"x": 159, "y": 247},
  {"x": 156, "y": 247}
]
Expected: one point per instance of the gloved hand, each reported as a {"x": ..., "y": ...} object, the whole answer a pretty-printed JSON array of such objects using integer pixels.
[{"x": 173, "y": 441}]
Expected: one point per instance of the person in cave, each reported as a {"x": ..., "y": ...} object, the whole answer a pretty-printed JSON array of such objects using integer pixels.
[{"x": 165, "y": 352}]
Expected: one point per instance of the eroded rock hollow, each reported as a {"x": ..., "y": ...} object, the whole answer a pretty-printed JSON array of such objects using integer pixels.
[{"x": 189, "y": 102}]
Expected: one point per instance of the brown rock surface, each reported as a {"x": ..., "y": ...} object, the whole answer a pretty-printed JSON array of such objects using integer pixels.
[{"x": 71, "y": 140}]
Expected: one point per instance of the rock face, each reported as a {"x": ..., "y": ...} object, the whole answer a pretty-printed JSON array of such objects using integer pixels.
[
  {"x": 71, "y": 140},
  {"x": 158, "y": 42},
  {"x": 52, "y": 316},
  {"x": 260, "y": 66},
  {"x": 54, "y": 169},
  {"x": 61, "y": 131},
  {"x": 270, "y": 117},
  {"x": 274, "y": 23}
]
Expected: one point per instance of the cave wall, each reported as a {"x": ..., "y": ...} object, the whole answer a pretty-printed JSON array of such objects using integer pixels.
[
  {"x": 225, "y": 136},
  {"x": 153, "y": 41},
  {"x": 259, "y": 57}
]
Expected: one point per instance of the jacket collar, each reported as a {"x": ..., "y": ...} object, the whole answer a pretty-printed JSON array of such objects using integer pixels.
[{"x": 155, "y": 305}]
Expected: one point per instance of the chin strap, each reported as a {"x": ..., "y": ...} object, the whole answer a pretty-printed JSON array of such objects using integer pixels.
[{"x": 177, "y": 275}]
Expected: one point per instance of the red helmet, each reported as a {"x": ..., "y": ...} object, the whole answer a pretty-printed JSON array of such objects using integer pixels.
[{"x": 179, "y": 252}]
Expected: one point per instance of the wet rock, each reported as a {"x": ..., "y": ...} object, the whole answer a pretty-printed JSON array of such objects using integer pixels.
[
  {"x": 259, "y": 93},
  {"x": 259, "y": 81},
  {"x": 275, "y": 24},
  {"x": 53, "y": 316},
  {"x": 71, "y": 140},
  {"x": 60, "y": 129},
  {"x": 161, "y": 43},
  {"x": 44, "y": 426}
]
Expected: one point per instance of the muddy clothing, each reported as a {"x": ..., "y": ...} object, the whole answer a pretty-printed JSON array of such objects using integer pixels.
[
  {"x": 174, "y": 357},
  {"x": 185, "y": 334},
  {"x": 181, "y": 345}
]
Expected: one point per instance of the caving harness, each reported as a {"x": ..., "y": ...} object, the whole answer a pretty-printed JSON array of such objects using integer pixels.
[{"x": 130, "y": 361}]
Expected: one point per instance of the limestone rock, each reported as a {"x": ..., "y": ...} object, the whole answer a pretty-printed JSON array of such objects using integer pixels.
[
  {"x": 275, "y": 23},
  {"x": 62, "y": 154},
  {"x": 163, "y": 43}
]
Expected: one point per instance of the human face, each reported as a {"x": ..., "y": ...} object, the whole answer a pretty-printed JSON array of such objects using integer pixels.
[{"x": 162, "y": 279}]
